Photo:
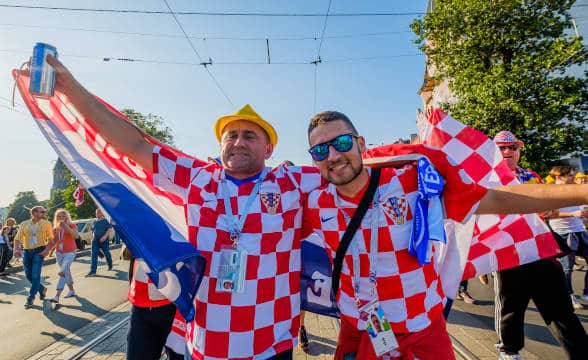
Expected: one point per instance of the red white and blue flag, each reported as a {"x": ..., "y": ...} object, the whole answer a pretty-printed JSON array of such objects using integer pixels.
[{"x": 149, "y": 220}]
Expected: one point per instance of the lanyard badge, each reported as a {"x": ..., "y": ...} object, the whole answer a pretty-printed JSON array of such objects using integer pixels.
[
  {"x": 232, "y": 264},
  {"x": 379, "y": 329},
  {"x": 231, "y": 270}
]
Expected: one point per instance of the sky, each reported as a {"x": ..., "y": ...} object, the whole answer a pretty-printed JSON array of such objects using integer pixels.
[{"x": 370, "y": 69}]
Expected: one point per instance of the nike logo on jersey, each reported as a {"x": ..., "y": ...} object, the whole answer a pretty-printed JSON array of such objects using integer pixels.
[{"x": 325, "y": 219}]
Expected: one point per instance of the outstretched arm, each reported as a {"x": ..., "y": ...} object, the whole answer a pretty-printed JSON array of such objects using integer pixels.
[
  {"x": 531, "y": 198},
  {"x": 123, "y": 135}
]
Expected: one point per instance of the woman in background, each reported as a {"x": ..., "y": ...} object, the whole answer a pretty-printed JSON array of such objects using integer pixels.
[{"x": 64, "y": 235}]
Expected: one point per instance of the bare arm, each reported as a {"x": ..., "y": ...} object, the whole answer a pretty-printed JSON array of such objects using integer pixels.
[
  {"x": 531, "y": 198},
  {"x": 123, "y": 135}
]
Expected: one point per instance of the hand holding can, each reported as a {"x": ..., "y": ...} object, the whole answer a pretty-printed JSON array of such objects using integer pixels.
[{"x": 42, "y": 81}]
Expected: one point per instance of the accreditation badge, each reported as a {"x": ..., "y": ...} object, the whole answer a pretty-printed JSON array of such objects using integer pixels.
[
  {"x": 33, "y": 242},
  {"x": 378, "y": 328},
  {"x": 231, "y": 271}
]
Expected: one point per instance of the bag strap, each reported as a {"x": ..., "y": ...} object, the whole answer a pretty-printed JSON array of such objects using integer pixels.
[{"x": 352, "y": 228}]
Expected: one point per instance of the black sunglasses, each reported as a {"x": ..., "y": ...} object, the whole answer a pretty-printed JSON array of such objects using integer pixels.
[
  {"x": 342, "y": 143},
  {"x": 510, "y": 147}
]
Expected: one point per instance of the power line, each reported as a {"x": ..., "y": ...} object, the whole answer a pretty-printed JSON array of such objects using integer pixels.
[
  {"x": 205, "y": 64},
  {"x": 211, "y": 36},
  {"x": 209, "y": 62},
  {"x": 209, "y": 13}
]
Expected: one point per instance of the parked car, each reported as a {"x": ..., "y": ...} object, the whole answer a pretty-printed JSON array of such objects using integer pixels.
[{"x": 85, "y": 230}]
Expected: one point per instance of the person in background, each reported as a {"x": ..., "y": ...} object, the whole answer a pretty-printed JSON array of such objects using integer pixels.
[
  {"x": 33, "y": 235},
  {"x": 64, "y": 243},
  {"x": 463, "y": 293},
  {"x": 12, "y": 230},
  {"x": 543, "y": 281},
  {"x": 3, "y": 249},
  {"x": 567, "y": 223},
  {"x": 101, "y": 229}
]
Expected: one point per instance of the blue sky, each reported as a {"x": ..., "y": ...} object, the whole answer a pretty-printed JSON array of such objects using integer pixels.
[{"x": 371, "y": 71}]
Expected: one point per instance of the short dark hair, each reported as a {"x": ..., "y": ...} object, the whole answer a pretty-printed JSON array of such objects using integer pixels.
[{"x": 328, "y": 116}]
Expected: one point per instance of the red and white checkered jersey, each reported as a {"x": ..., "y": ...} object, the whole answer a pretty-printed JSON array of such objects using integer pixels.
[
  {"x": 176, "y": 340},
  {"x": 411, "y": 295},
  {"x": 142, "y": 292},
  {"x": 264, "y": 319}
]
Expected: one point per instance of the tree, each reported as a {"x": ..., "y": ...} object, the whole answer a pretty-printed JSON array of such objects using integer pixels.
[
  {"x": 507, "y": 63},
  {"x": 19, "y": 209},
  {"x": 151, "y": 124}
]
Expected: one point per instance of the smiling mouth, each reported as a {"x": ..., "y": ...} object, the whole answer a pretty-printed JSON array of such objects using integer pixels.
[{"x": 337, "y": 166}]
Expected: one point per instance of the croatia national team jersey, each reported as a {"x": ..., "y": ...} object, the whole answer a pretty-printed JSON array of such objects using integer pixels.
[
  {"x": 142, "y": 292},
  {"x": 263, "y": 320},
  {"x": 411, "y": 295}
]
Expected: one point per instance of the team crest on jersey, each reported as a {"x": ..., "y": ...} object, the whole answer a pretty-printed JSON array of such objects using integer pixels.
[
  {"x": 397, "y": 209},
  {"x": 270, "y": 201}
]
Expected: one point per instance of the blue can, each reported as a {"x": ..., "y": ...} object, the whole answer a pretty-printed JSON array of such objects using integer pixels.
[{"x": 42, "y": 74}]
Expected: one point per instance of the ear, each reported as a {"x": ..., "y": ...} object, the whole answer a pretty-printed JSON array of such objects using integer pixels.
[
  {"x": 269, "y": 150},
  {"x": 361, "y": 144}
]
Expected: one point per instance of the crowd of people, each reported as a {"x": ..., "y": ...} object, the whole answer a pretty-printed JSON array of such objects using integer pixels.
[
  {"x": 31, "y": 241},
  {"x": 391, "y": 303}
]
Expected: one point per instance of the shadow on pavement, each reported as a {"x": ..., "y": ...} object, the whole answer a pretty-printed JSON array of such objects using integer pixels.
[{"x": 533, "y": 332}]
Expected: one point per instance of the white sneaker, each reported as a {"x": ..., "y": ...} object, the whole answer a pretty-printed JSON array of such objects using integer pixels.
[
  {"x": 55, "y": 299},
  {"x": 505, "y": 356},
  {"x": 584, "y": 297},
  {"x": 575, "y": 303},
  {"x": 70, "y": 294}
]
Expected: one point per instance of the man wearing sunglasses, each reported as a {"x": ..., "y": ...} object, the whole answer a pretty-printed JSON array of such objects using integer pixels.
[
  {"x": 34, "y": 234},
  {"x": 378, "y": 272},
  {"x": 243, "y": 217},
  {"x": 543, "y": 281}
]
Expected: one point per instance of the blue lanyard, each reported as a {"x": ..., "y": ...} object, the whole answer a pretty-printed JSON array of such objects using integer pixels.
[{"x": 236, "y": 227}]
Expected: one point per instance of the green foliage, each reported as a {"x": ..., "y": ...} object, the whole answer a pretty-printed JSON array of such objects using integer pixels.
[
  {"x": 19, "y": 207},
  {"x": 508, "y": 64},
  {"x": 151, "y": 124}
]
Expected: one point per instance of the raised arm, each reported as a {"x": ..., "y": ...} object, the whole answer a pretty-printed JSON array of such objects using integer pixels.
[
  {"x": 531, "y": 198},
  {"x": 123, "y": 135}
]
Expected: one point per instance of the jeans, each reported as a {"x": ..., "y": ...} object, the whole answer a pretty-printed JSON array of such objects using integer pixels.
[
  {"x": 105, "y": 247},
  {"x": 5, "y": 255},
  {"x": 65, "y": 260},
  {"x": 33, "y": 262}
]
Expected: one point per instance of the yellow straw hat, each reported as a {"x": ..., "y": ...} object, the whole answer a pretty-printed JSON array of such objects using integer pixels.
[{"x": 248, "y": 114}]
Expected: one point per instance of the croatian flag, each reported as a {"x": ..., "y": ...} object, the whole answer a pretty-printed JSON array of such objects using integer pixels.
[
  {"x": 78, "y": 195},
  {"x": 485, "y": 243},
  {"x": 498, "y": 242},
  {"x": 150, "y": 220}
]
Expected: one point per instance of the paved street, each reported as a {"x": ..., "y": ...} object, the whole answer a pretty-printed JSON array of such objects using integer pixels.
[
  {"x": 25, "y": 332},
  {"x": 76, "y": 326},
  {"x": 478, "y": 331}
]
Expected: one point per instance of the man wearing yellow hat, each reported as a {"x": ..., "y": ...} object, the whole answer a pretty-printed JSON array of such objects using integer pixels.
[{"x": 244, "y": 218}]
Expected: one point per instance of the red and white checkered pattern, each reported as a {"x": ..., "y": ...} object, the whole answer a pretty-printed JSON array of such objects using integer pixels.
[
  {"x": 176, "y": 340},
  {"x": 263, "y": 320},
  {"x": 142, "y": 292},
  {"x": 499, "y": 242},
  {"x": 411, "y": 295}
]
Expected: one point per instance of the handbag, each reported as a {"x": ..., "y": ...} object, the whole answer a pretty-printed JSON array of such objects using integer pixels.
[
  {"x": 352, "y": 228},
  {"x": 80, "y": 245}
]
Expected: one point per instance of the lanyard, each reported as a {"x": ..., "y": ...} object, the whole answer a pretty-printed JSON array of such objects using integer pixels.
[
  {"x": 34, "y": 229},
  {"x": 235, "y": 227},
  {"x": 373, "y": 254}
]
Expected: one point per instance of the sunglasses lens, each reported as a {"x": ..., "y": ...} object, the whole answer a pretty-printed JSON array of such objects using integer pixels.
[
  {"x": 319, "y": 152},
  {"x": 343, "y": 143}
]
